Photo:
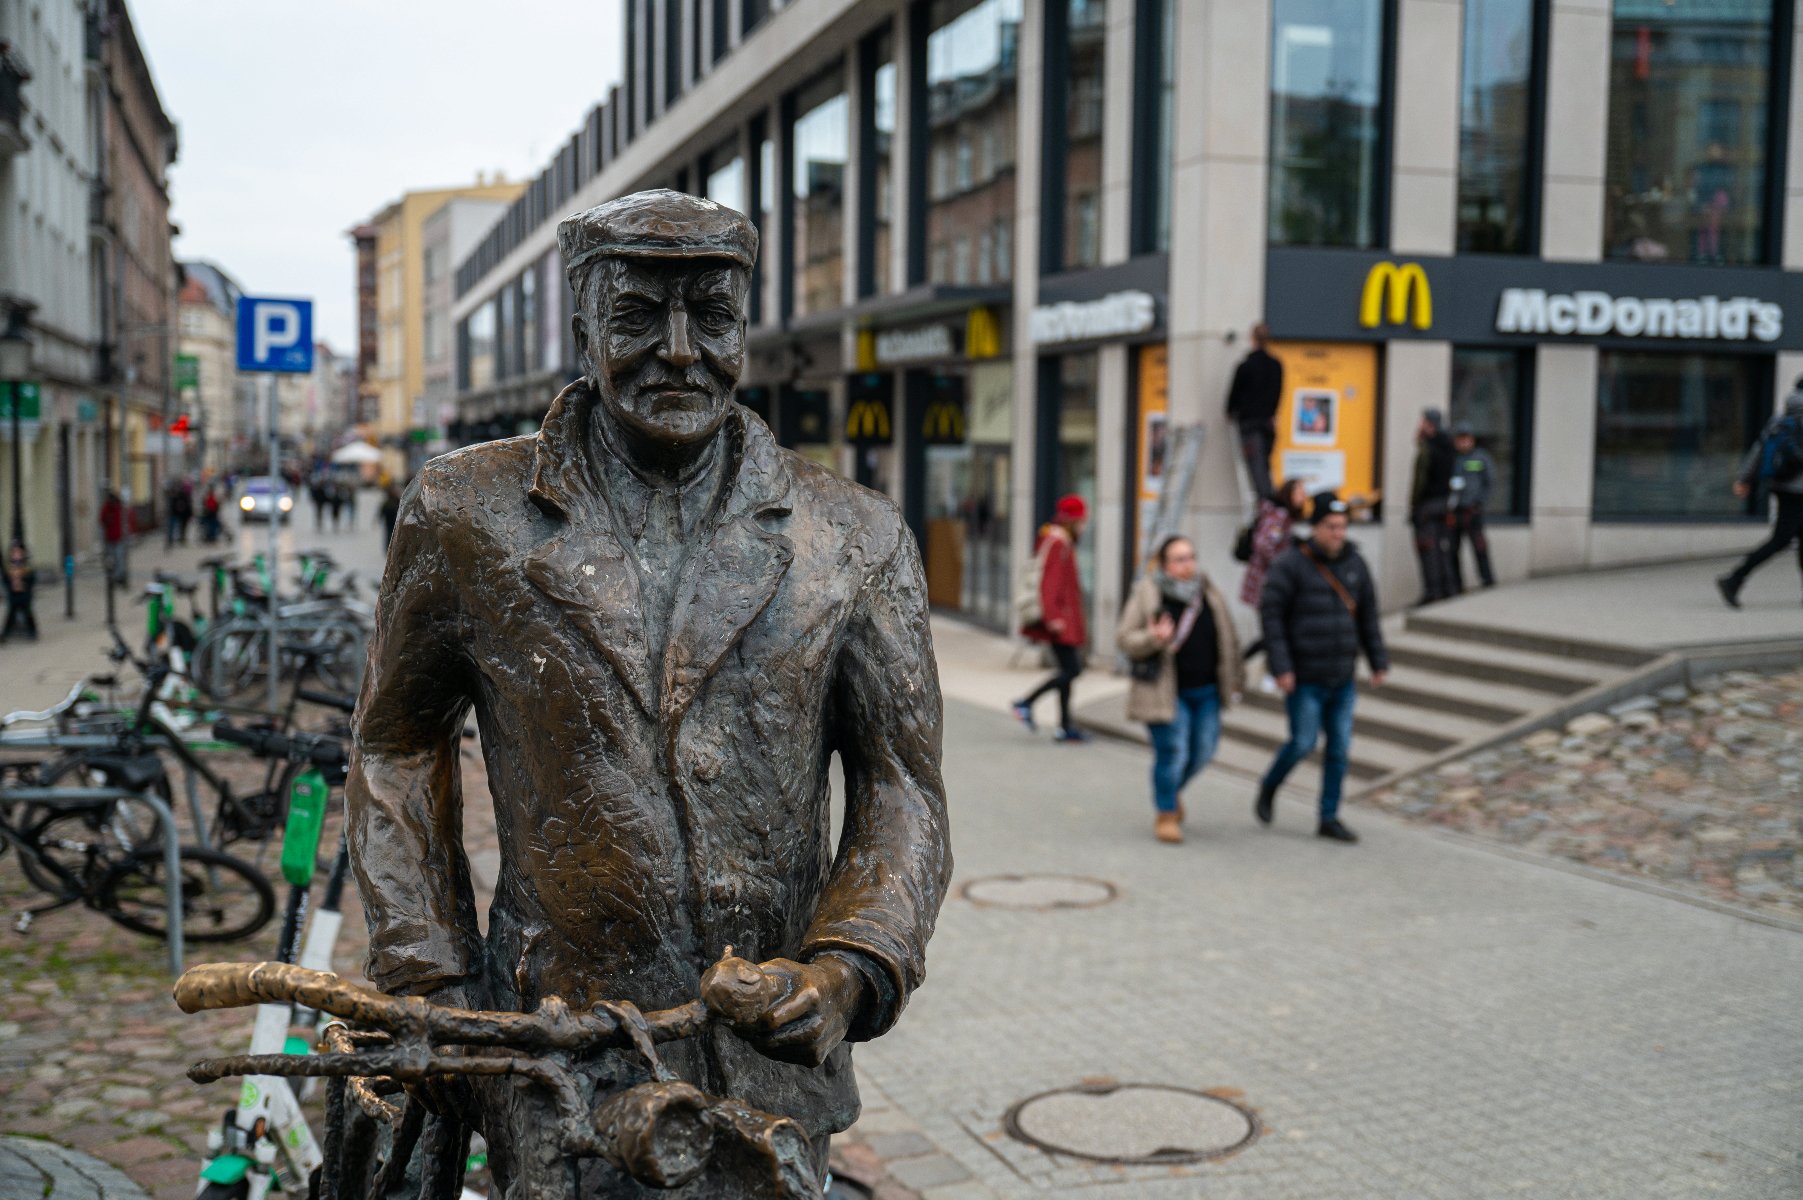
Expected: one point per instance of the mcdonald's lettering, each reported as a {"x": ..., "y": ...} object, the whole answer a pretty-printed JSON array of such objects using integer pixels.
[
  {"x": 1391, "y": 291},
  {"x": 867, "y": 421}
]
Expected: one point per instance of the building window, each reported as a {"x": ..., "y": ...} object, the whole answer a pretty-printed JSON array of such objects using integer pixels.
[
  {"x": 972, "y": 53},
  {"x": 1327, "y": 122},
  {"x": 726, "y": 177},
  {"x": 722, "y": 41},
  {"x": 1689, "y": 90},
  {"x": 1670, "y": 432},
  {"x": 752, "y": 14},
  {"x": 557, "y": 306},
  {"x": 879, "y": 143},
  {"x": 1497, "y": 104},
  {"x": 822, "y": 145},
  {"x": 1155, "y": 96},
  {"x": 769, "y": 194},
  {"x": 529, "y": 318},
  {"x": 1492, "y": 394},
  {"x": 1080, "y": 148},
  {"x": 1077, "y": 378},
  {"x": 482, "y": 347}
]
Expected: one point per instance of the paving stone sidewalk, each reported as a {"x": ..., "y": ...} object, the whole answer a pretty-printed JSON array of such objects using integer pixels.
[{"x": 1701, "y": 791}]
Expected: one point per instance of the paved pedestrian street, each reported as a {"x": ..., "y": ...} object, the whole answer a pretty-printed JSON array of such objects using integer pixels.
[{"x": 1426, "y": 1014}]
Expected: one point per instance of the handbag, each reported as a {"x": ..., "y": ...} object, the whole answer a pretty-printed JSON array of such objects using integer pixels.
[
  {"x": 1242, "y": 543},
  {"x": 1147, "y": 670}
]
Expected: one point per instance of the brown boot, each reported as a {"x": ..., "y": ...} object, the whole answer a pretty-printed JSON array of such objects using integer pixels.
[{"x": 1167, "y": 828}]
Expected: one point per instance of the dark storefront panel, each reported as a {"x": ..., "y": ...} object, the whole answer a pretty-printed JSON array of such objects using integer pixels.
[{"x": 1671, "y": 430}]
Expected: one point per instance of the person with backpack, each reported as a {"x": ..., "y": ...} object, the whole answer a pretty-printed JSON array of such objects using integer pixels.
[
  {"x": 1775, "y": 463},
  {"x": 1319, "y": 611},
  {"x": 1473, "y": 475},
  {"x": 1050, "y": 610},
  {"x": 1186, "y": 668}
]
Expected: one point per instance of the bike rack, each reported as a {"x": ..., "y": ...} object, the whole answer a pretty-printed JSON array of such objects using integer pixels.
[
  {"x": 172, "y": 846},
  {"x": 33, "y": 739}
]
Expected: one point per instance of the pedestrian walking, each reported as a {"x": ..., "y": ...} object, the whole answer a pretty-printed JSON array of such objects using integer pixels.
[
  {"x": 210, "y": 526},
  {"x": 21, "y": 583},
  {"x": 316, "y": 491},
  {"x": 391, "y": 508},
  {"x": 1277, "y": 516},
  {"x": 350, "y": 489},
  {"x": 181, "y": 509},
  {"x": 1319, "y": 612},
  {"x": 1186, "y": 669},
  {"x": 115, "y": 523},
  {"x": 1430, "y": 505},
  {"x": 1473, "y": 474},
  {"x": 1252, "y": 407},
  {"x": 1775, "y": 463},
  {"x": 335, "y": 497},
  {"x": 1058, "y": 622}
]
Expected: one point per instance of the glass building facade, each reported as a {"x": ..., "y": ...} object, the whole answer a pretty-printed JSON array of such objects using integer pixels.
[
  {"x": 972, "y": 54},
  {"x": 1085, "y": 26},
  {"x": 1327, "y": 122},
  {"x": 1671, "y": 430},
  {"x": 1497, "y": 104},
  {"x": 821, "y": 148},
  {"x": 1493, "y": 397}
]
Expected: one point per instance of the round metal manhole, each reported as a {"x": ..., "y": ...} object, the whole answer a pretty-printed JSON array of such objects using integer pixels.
[
  {"x": 1039, "y": 892},
  {"x": 1133, "y": 1123}
]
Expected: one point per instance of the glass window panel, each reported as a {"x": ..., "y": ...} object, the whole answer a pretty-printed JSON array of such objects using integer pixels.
[
  {"x": 1495, "y": 114},
  {"x": 1489, "y": 396},
  {"x": 1077, "y": 374},
  {"x": 1670, "y": 432},
  {"x": 726, "y": 182},
  {"x": 971, "y": 100},
  {"x": 1689, "y": 86},
  {"x": 482, "y": 346},
  {"x": 1162, "y": 109},
  {"x": 529, "y": 320},
  {"x": 556, "y": 309},
  {"x": 822, "y": 144},
  {"x": 1326, "y": 121},
  {"x": 882, "y": 139},
  {"x": 1087, "y": 24},
  {"x": 505, "y": 367}
]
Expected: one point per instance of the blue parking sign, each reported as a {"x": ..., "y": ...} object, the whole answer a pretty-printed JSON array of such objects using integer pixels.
[{"x": 275, "y": 334}]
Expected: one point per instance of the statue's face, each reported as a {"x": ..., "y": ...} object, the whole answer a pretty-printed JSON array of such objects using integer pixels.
[{"x": 665, "y": 343}]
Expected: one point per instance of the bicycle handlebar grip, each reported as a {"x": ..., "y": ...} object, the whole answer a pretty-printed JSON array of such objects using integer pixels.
[
  {"x": 343, "y": 704},
  {"x": 256, "y": 739}
]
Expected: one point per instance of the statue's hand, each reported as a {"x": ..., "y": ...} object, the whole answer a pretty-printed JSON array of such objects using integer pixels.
[{"x": 795, "y": 1012}]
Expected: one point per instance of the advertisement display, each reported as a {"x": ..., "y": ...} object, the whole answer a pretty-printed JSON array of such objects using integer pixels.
[
  {"x": 1154, "y": 434},
  {"x": 1327, "y": 420}
]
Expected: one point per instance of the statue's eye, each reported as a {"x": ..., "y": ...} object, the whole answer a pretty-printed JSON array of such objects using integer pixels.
[
  {"x": 716, "y": 318},
  {"x": 632, "y": 319}
]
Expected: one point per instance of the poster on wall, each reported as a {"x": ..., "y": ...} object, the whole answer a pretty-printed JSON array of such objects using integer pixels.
[
  {"x": 1327, "y": 419},
  {"x": 1154, "y": 434}
]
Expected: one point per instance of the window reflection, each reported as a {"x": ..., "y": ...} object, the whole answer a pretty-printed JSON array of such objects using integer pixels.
[
  {"x": 1326, "y": 97},
  {"x": 1670, "y": 431},
  {"x": 821, "y": 148},
  {"x": 1489, "y": 397},
  {"x": 971, "y": 100},
  {"x": 1087, "y": 22},
  {"x": 1495, "y": 111},
  {"x": 1689, "y": 86},
  {"x": 882, "y": 139},
  {"x": 726, "y": 182}
]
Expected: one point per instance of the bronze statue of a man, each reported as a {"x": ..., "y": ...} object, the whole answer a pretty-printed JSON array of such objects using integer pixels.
[{"x": 666, "y": 625}]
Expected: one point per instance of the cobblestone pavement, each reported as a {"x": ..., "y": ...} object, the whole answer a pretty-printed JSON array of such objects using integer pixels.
[
  {"x": 1414, "y": 1016},
  {"x": 1700, "y": 791}
]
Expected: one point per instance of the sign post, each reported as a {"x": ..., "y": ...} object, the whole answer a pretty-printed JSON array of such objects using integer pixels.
[{"x": 275, "y": 337}]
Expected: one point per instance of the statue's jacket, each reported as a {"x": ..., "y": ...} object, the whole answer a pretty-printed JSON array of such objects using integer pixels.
[{"x": 654, "y": 804}]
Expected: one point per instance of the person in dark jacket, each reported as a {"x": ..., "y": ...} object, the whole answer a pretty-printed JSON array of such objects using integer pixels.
[
  {"x": 1061, "y": 625},
  {"x": 21, "y": 583},
  {"x": 1788, "y": 493},
  {"x": 1252, "y": 406},
  {"x": 1319, "y": 611},
  {"x": 1473, "y": 477},
  {"x": 1430, "y": 505}
]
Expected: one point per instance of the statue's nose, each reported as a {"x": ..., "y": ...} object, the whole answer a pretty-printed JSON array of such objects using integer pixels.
[{"x": 679, "y": 350}]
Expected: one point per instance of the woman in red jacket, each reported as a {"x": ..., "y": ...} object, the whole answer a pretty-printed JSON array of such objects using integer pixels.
[{"x": 1061, "y": 623}]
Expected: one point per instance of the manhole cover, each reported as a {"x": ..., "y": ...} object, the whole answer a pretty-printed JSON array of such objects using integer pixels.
[
  {"x": 1132, "y": 1123},
  {"x": 1039, "y": 891}
]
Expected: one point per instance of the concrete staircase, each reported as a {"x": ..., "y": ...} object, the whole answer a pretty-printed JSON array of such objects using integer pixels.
[{"x": 1452, "y": 684}]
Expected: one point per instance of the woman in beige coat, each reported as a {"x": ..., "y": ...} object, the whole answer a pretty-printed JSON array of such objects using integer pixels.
[{"x": 1175, "y": 618}]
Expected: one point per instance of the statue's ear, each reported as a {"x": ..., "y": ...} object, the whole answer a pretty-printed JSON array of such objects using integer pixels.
[{"x": 579, "y": 331}]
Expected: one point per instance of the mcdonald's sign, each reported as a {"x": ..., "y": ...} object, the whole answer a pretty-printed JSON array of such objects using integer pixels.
[
  {"x": 1392, "y": 291},
  {"x": 942, "y": 418},
  {"x": 868, "y": 415}
]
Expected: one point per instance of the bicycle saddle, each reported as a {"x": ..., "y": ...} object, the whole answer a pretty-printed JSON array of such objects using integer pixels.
[{"x": 133, "y": 772}]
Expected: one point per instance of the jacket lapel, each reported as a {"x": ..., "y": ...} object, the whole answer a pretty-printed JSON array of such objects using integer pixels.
[
  {"x": 729, "y": 581},
  {"x": 582, "y": 567}
]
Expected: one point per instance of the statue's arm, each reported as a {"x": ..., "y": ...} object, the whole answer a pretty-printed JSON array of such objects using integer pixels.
[
  {"x": 404, "y": 797},
  {"x": 894, "y": 862}
]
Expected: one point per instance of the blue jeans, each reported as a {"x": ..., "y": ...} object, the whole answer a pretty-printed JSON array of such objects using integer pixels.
[
  {"x": 1312, "y": 708},
  {"x": 1183, "y": 746}
]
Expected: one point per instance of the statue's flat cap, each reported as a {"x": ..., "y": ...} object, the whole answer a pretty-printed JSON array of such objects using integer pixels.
[{"x": 656, "y": 224}]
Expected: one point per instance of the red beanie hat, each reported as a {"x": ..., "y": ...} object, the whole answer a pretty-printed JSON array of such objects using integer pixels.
[{"x": 1071, "y": 509}]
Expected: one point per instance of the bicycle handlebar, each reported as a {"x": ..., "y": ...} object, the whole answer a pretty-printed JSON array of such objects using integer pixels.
[
  {"x": 344, "y": 704},
  {"x": 315, "y": 748}
]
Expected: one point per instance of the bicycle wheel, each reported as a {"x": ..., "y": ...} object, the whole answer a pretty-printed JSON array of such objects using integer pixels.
[
  {"x": 223, "y": 898},
  {"x": 81, "y": 840},
  {"x": 230, "y": 658}
]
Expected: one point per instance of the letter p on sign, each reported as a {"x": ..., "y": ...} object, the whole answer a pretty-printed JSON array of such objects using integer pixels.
[{"x": 275, "y": 334}]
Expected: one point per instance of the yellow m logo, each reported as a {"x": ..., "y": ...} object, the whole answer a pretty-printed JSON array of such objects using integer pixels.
[
  {"x": 1400, "y": 285},
  {"x": 944, "y": 422},
  {"x": 867, "y": 420}
]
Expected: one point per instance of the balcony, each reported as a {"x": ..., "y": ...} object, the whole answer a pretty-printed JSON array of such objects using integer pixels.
[{"x": 13, "y": 76}]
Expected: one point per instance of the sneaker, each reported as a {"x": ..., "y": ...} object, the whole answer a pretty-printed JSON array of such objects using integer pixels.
[
  {"x": 1070, "y": 735},
  {"x": 1729, "y": 587},
  {"x": 1024, "y": 713},
  {"x": 1333, "y": 830},
  {"x": 1166, "y": 829},
  {"x": 1261, "y": 808}
]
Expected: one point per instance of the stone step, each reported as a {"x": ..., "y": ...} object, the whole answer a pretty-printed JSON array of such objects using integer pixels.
[
  {"x": 1418, "y": 726},
  {"x": 1557, "y": 646},
  {"x": 1547, "y": 674}
]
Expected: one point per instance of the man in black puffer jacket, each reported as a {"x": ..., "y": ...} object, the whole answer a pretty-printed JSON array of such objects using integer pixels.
[{"x": 1319, "y": 610}]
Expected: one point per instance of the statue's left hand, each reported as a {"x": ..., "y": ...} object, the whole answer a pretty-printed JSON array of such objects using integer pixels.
[{"x": 810, "y": 1007}]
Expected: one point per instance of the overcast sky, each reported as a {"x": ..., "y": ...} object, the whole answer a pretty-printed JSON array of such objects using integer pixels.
[{"x": 300, "y": 120}]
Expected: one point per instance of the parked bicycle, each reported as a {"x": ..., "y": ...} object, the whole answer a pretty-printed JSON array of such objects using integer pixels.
[{"x": 380, "y": 1144}]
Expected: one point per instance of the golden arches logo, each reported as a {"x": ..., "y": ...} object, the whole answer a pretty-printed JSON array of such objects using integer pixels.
[
  {"x": 982, "y": 334},
  {"x": 1389, "y": 290},
  {"x": 868, "y": 420},
  {"x": 944, "y": 421}
]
